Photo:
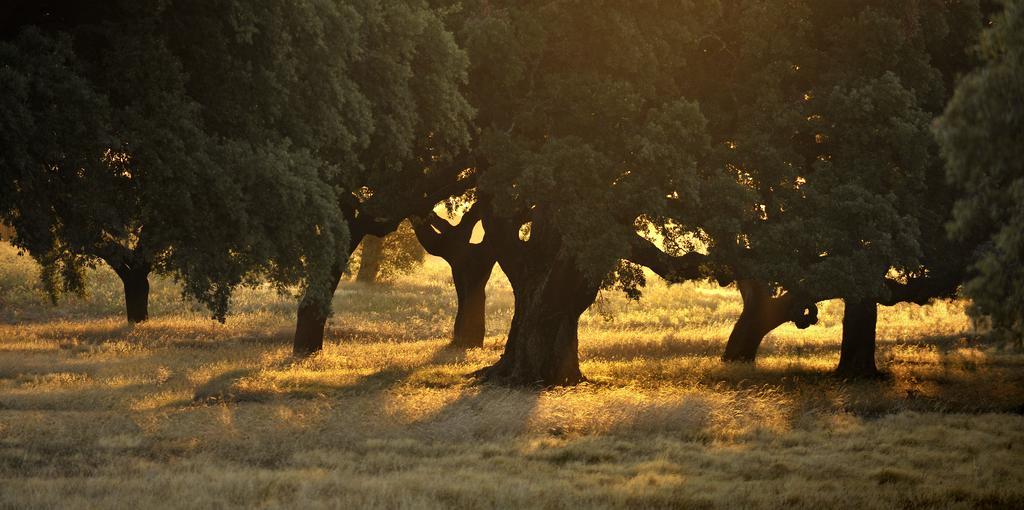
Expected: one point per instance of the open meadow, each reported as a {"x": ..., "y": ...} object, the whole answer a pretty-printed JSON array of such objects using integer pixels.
[{"x": 182, "y": 411}]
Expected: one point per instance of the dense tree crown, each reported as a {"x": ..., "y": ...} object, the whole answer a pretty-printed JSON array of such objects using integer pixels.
[
  {"x": 218, "y": 140},
  {"x": 824, "y": 111},
  {"x": 826, "y": 115},
  {"x": 982, "y": 133},
  {"x": 586, "y": 127},
  {"x": 586, "y": 138}
]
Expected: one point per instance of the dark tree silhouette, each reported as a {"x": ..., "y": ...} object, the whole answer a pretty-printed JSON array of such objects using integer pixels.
[
  {"x": 588, "y": 141},
  {"x": 471, "y": 265},
  {"x": 835, "y": 143},
  {"x": 118, "y": 145},
  {"x": 982, "y": 132}
]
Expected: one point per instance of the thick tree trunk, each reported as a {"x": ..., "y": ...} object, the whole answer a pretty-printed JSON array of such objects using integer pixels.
[
  {"x": 470, "y": 276},
  {"x": 311, "y": 318},
  {"x": 761, "y": 314},
  {"x": 370, "y": 260},
  {"x": 311, "y": 321},
  {"x": 136, "y": 291},
  {"x": 857, "y": 356},
  {"x": 542, "y": 347}
]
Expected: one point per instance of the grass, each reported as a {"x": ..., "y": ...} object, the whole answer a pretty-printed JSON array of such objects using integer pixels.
[{"x": 185, "y": 412}]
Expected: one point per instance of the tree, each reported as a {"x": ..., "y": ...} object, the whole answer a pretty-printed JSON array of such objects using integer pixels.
[
  {"x": 981, "y": 134},
  {"x": 384, "y": 258},
  {"x": 344, "y": 101},
  {"x": 471, "y": 264},
  {"x": 371, "y": 255},
  {"x": 126, "y": 133},
  {"x": 585, "y": 140},
  {"x": 163, "y": 137},
  {"x": 948, "y": 31},
  {"x": 409, "y": 71},
  {"x": 834, "y": 139}
]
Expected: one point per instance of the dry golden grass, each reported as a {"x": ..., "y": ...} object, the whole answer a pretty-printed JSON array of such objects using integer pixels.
[{"x": 185, "y": 412}]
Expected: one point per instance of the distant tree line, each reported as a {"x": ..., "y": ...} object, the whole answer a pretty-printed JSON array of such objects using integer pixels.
[{"x": 805, "y": 150}]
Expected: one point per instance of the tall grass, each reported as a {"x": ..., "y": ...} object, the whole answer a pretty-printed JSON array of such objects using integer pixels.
[{"x": 185, "y": 412}]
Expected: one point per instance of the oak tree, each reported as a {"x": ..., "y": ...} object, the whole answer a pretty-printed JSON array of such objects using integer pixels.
[
  {"x": 834, "y": 139},
  {"x": 587, "y": 140},
  {"x": 115, "y": 150},
  {"x": 982, "y": 135}
]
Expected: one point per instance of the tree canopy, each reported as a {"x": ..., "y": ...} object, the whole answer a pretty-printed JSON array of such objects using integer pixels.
[
  {"x": 786, "y": 145},
  {"x": 587, "y": 139},
  {"x": 835, "y": 139},
  {"x": 220, "y": 141},
  {"x": 824, "y": 112},
  {"x": 981, "y": 135}
]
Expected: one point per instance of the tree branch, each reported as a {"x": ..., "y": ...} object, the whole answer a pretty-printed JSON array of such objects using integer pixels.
[{"x": 674, "y": 269}]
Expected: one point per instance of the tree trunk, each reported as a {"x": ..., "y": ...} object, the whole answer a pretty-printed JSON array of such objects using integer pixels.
[
  {"x": 311, "y": 321},
  {"x": 370, "y": 260},
  {"x": 135, "y": 280},
  {"x": 542, "y": 347},
  {"x": 857, "y": 355},
  {"x": 470, "y": 276},
  {"x": 471, "y": 266},
  {"x": 761, "y": 314},
  {"x": 311, "y": 318}
]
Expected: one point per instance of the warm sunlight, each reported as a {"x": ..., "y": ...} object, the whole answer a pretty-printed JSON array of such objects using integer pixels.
[{"x": 511, "y": 254}]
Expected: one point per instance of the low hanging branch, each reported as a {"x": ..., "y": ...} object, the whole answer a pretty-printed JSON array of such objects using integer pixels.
[{"x": 674, "y": 269}]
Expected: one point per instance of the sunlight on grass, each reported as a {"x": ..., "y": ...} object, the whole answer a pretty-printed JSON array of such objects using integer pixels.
[{"x": 183, "y": 411}]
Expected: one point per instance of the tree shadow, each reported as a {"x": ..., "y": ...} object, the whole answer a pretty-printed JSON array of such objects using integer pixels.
[
  {"x": 481, "y": 412},
  {"x": 225, "y": 387},
  {"x": 90, "y": 399}
]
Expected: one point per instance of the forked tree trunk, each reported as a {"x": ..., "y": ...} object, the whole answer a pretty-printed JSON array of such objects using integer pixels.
[
  {"x": 471, "y": 266},
  {"x": 543, "y": 342},
  {"x": 135, "y": 280},
  {"x": 370, "y": 260},
  {"x": 311, "y": 318},
  {"x": 761, "y": 314},
  {"x": 470, "y": 276},
  {"x": 857, "y": 356}
]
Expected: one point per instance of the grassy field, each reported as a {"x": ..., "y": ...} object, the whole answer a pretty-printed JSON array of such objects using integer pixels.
[{"x": 185, "y": 412}]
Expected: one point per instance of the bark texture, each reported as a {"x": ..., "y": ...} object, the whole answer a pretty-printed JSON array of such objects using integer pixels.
[
  {"x": 311, "y": 319},
  {"x": 543, "y": 343},
  {"x": 762, "y": 313},
  {"x": 135, "y": 279},
  {"x": 550, "y": 293},
  {"x": 471, "y": 265},
  {"x": 470, "y": 279},
  {"x": 857, "y": 356}
]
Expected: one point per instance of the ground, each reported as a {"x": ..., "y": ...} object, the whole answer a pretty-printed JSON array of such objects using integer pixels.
[{"x": 185, "y": 412}]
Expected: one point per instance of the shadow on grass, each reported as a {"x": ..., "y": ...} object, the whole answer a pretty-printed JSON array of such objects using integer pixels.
[{"x": 229, "y": 387}]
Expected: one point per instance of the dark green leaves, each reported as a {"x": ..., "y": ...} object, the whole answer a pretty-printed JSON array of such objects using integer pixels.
[{"x": 982, "y": 134}]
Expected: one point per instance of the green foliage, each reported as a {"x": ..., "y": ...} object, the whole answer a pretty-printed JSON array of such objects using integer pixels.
[
  {"x": 224, "y": 141},
  {"x": 52, "y": 166},
  {"x": 220, "y": 141},
  {"x": 403, "y": 253},
  {"x": 824, "y": 111},
  {"x": 585, "y": 125},
  {"x": 982, "y": 133},
  {"x": 400, "y": 254}
]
